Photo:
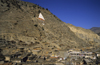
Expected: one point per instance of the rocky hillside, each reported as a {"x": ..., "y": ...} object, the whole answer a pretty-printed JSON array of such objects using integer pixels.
[
  {"x": 96, "y": 30},
  {"x": 85, "y": 34},
  {"x": 98, "y": 34},
  {"x": 19, "y": 23}
]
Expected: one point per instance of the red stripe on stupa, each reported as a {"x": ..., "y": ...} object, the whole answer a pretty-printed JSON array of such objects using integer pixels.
[{"x": 41, "y": 19}]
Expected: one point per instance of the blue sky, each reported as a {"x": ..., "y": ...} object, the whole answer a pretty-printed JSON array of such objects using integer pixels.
[{"x": 81, "y": 13}]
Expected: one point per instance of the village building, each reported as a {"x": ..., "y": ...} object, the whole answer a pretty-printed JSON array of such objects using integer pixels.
[
  {"x": 36, "y": 51},
  {"x": 89, "y": 61},
  {"x": 59, "y": 63},
  {"x": 82, "y": 54},
  {"x": 98, "y": 54},
  {"x": 2, "y": 57},
  {"x": 1, "y": 62},
  {"x": 16, "y": 60},
  {"x": 7, "y": 57},
  {"x": 77, "y": 62}
]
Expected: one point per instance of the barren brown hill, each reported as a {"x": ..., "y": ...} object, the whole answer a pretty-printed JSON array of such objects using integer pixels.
[
  {"x": 96, "y": 30},
  {"x": 85, "y": 34},
  {"x": 19, "y": 22}
]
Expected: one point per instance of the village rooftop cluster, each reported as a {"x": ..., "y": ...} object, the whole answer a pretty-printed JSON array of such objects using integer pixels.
[{"x": 11, "y": 54}]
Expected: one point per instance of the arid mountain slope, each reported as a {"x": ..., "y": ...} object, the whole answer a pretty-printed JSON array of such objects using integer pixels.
[
  {"x": 85, "y": 34},
  {"x": 19, "y": 22},
  {"x": 96, "y": 30}
]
